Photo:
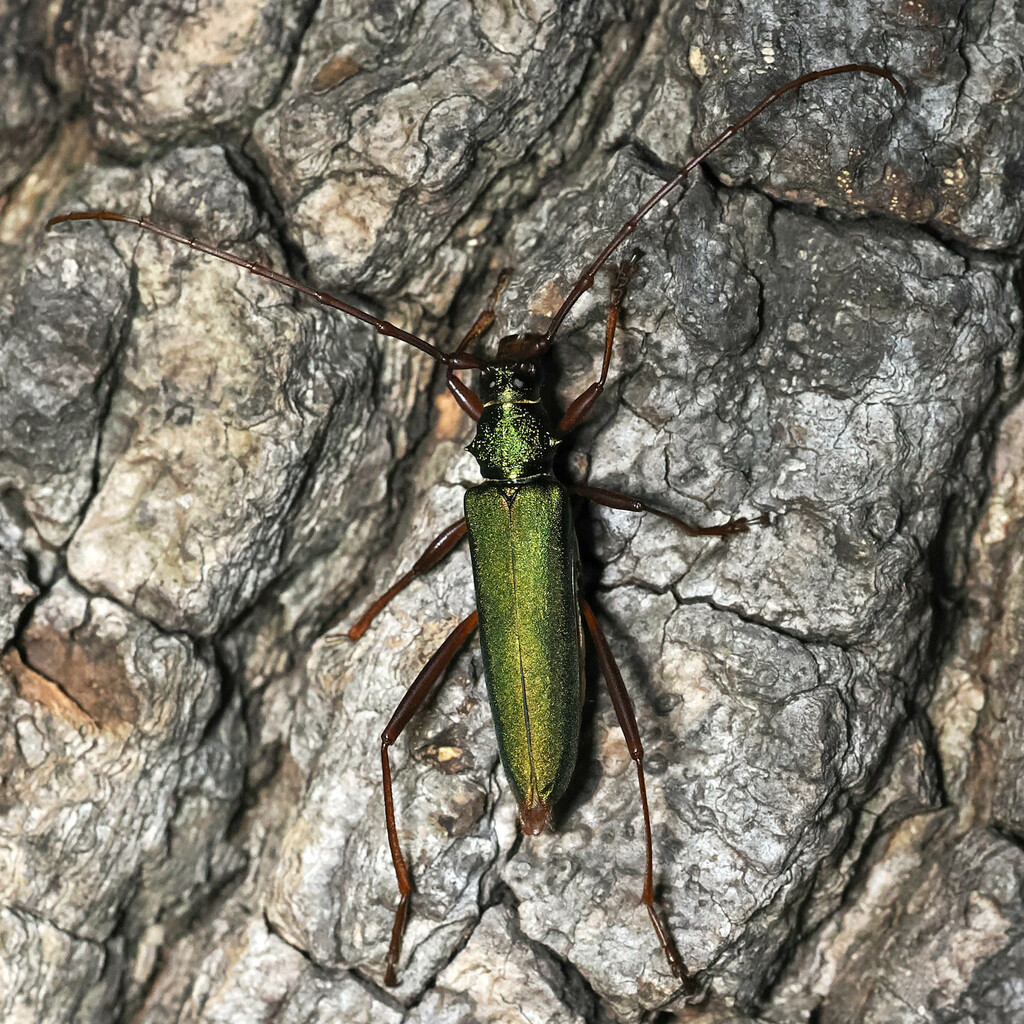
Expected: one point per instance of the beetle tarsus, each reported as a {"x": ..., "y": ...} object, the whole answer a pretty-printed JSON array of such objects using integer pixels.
[
  {"x": 742, "y": 525},
  {"x": 395, "y": 949}
]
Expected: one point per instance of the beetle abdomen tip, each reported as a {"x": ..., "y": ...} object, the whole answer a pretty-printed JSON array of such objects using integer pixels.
[{"x": 534, "y": 817}]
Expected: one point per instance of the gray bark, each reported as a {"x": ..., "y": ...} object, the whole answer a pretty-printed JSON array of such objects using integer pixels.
[{"x": 200, "y": 475}]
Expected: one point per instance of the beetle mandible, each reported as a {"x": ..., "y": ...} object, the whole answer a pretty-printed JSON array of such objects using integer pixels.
[{"x": 519, "y": 524}]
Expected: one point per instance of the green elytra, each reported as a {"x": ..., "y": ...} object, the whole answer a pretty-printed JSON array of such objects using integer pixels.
[{"x": 523, "y": 547}]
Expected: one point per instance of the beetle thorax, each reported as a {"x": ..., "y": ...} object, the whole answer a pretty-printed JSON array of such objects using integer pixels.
[{"x": 513, "y": 438}]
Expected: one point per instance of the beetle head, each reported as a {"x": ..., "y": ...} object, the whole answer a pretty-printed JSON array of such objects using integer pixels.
[
  {"x": 511, "y": 381},
  {"x": 522, "y": 348}
]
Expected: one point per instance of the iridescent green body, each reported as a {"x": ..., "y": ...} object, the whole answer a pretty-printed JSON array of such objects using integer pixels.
[{"x": 525, "y": 568}]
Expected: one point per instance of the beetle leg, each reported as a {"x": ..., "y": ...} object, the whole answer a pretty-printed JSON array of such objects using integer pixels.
[
  {"x": 486, "y": 318},
  {"x": 407, "y": 707},
  {"x": 440, "y": 546},
  {"x": 468, "y": 400},
  {"x": 627, "y": 723},
  {"x": 614, "y": 499},
  {"x": 580, "y": 407}
]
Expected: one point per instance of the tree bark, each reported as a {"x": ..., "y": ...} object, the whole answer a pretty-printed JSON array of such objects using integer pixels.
[{"x": 201, "y": 475}]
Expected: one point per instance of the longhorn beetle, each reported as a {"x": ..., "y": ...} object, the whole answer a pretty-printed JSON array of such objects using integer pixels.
[{"x": 522, "y": 545}]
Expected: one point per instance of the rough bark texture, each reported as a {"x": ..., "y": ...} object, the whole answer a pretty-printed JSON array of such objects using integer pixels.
[{"x": 199, "y": 475}]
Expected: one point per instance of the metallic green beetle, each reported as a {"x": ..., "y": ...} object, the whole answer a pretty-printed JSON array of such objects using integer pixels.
[
  {"x": 523, "y": 547},
  {"x": 525, "y": 567}
]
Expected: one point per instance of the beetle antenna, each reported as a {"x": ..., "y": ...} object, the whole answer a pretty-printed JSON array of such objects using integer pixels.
[
  {"x": 453, "y": 360},
  {"x": 586, "y": 280}
]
